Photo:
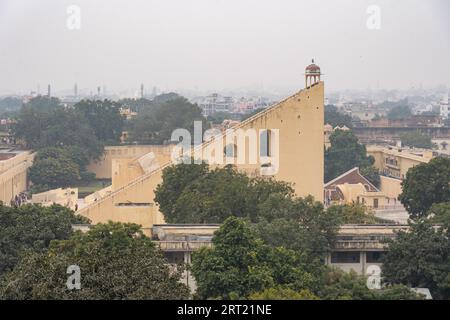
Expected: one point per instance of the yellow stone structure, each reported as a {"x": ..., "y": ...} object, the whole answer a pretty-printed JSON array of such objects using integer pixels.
[
  {"x": 13, "y": 174},
  {"x": 298, "y": 122},
  {"x": 103, "y": 167},
  {"x": 66, "y": 197},
  {"x": 395, "y": 162}
]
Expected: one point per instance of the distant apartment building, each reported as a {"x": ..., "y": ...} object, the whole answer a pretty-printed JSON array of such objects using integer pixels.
[
  {"x": 445, "y": 107},
  {"x": 215, "y": 103},
  {"x": 417, "y": 120},
  {"x": 395, "y": 162},
  {"x": 364, "y": 111},
  {"x": 248, "y": 105}
]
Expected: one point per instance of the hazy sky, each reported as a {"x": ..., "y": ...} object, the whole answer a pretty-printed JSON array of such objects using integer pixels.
[{"x": 222, "y": 44}]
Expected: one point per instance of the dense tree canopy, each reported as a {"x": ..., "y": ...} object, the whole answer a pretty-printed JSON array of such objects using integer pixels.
[
  {"x": 137, "y": 105},
  {"x": 56, "y": 167},
  {"x": 339, "y": 285},
  {"x": 439, "y": 213},
  {"x": 372, "y": 174},
  {"x": 240, "y": 264},
  {"x": 32, "y": 227},
  {"x": 44, "y": 103},
  {"x": 66, "y": 138},
  {"x": 54, "y": 172},
  {"x": 116, "y": 262},
  {"x": 425, "y": 185},
  {"x": 419, "y": 258},
  {"x": 282, "y": 293},
  {"x": 298, "y": 224},
  {"x": 353, "y": 214},
  {"x": 10, "y": 105},
  {"x": 104, "y": 118},
  {"x": 416, "y": 139},
  {"x": 155, "y": 125},
  {"x": 191, "y": 193},
  {"x": 399, "y": 112},
  {"x": 336, "y": 118},
  {"x": 344, "y": 154},
  {"x": 175, "y": 179},
  {"x": 55, "y": 126}
]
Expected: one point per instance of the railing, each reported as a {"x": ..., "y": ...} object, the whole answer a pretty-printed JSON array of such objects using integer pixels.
[
  {"x": 183, "y": 245},
  {"x": 359, "y": 244}
]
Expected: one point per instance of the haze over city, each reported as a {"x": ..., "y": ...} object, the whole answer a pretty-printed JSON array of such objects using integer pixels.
[{"x": 222, "y": 45}]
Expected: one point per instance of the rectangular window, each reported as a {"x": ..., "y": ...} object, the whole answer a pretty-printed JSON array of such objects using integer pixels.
[
  {"x": 174, "y": 257},
  {"x": 345, "y": 257},
  {"x": 374, "y": 256},
  {"x": 375, "y": 203},
  {"x": 264, "y": 143}
]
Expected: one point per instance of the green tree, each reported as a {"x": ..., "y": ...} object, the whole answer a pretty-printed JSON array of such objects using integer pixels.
[
  {"x": 344, "y": 154},
  {"x": 156, "y": 125},
  {"x": 240, "y": 264},
  {"x": 104, "y": 118},
  {"x": 191, "y": 193},
  {"x": 280, "y": 293},
  {"x": 44, "y": 104},
  {"x": 399, "y": 112},
  {"x": 340, "y": 285},
  {"x": 416, "y": 139},
  {"x": 9, "y": 105},
  {"x": 56, "y": 128},
  {"x": 32, "y": 227},
  {"x": 372, "y": 174},
  {"x": 212, "y": 198},
  {"x": 75, "y": 153},
  {"x": 439, "y": 213},
  {"x": 398, "y": 292},
  {"x": 336, "y": 118},
  {"x": 298, "y": 224},
  {"x": 137, "y": 105},
  {"x": 55, "y": 167},
  {"x": 419, "y": 258},
  {"x": 174, "y": 180},
  {"x": 116, "y": 262},
  {"x": 424, "y": 185},
  {"x": 55, "y": 172},
  {"x": 353, "y": 214}
]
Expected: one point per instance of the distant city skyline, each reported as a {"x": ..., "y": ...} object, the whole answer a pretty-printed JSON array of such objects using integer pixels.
[{"x": 204, "y": 45}]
